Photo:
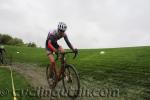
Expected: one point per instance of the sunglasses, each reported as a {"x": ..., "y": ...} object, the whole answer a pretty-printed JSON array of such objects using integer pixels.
[{"x": 61, "y": 31}]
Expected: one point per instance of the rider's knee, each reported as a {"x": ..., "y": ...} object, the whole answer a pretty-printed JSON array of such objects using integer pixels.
[
  {"x": 51, "y": 58},
  {"x": 52, "y": 62},
  {"x": 61, "y": 49}
]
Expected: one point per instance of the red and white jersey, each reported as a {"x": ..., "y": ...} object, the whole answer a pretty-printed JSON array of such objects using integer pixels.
[{"x": 54, "y": 36}]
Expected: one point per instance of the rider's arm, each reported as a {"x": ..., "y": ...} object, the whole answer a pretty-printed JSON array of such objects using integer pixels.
[{"x": 68, "y": 42}]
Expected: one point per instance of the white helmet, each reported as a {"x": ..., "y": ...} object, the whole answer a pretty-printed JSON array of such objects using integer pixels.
[{"x": 62, "y": 26}]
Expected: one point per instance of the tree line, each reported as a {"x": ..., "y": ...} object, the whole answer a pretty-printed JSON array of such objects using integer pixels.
[{"x": 6, "y": 39}]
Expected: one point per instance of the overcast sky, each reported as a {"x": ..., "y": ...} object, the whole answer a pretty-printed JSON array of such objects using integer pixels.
[{"x": 91, "y": 23}]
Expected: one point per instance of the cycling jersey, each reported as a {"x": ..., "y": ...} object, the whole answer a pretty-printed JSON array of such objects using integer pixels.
[{"x": 52, "y": 39}]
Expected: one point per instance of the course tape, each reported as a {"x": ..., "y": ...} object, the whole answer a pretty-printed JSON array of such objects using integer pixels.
[{"x": 13, "y": 87}]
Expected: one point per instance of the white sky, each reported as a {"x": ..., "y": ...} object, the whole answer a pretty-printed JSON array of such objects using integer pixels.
[{"x": 91, "y": 23}]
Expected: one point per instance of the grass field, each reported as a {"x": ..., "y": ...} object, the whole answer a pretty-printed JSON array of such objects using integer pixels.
[{"x": 127, "y": 69}]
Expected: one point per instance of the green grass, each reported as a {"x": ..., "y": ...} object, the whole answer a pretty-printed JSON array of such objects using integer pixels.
[
  {"x": 6, "y": 85},
  {"x": 26, "y": 54},
  {"x": 125, "y": 68}
]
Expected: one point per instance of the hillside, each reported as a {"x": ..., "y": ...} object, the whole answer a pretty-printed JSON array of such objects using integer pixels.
[{"x": 127, "y": 69}]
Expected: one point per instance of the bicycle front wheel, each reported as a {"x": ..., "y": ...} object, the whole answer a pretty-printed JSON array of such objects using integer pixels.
[{"x": 71, "y": 81}]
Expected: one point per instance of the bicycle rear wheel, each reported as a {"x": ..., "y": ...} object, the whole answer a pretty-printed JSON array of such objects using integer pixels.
[
  {"x": 50, "y": 76},
  {"x": 3, "y": 59},
  {"x": 71, "y": 81}
]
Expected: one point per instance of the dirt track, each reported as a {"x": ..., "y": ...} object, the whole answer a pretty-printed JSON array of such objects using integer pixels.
[{"x": 36, "y": 77}]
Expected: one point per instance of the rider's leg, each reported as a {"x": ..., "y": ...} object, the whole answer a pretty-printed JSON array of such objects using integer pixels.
[
  {"x": 60, "y": 58},
  {"x": 61, "y": 50},
  {"x": 52, "y": 61}
]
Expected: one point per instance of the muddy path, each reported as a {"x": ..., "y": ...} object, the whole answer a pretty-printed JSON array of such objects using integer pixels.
[{"x": 36, "y": 77}]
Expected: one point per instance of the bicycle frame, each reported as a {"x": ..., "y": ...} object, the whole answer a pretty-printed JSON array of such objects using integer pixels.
[{"x": 63, "y": 63}]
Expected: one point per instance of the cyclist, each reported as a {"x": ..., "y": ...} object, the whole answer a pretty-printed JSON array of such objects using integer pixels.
[
  {"x": 2, "y": 51},
  {"x": 52, "y": 45}
]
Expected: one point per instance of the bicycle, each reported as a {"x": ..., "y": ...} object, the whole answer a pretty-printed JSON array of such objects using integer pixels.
[{"x": 68, "y": 74}]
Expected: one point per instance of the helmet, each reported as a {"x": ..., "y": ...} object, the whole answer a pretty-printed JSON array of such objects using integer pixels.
[{"x": 62, "y": 26}]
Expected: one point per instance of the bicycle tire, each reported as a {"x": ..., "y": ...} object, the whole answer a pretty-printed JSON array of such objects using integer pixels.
[{"x": 77, "y": 90}]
